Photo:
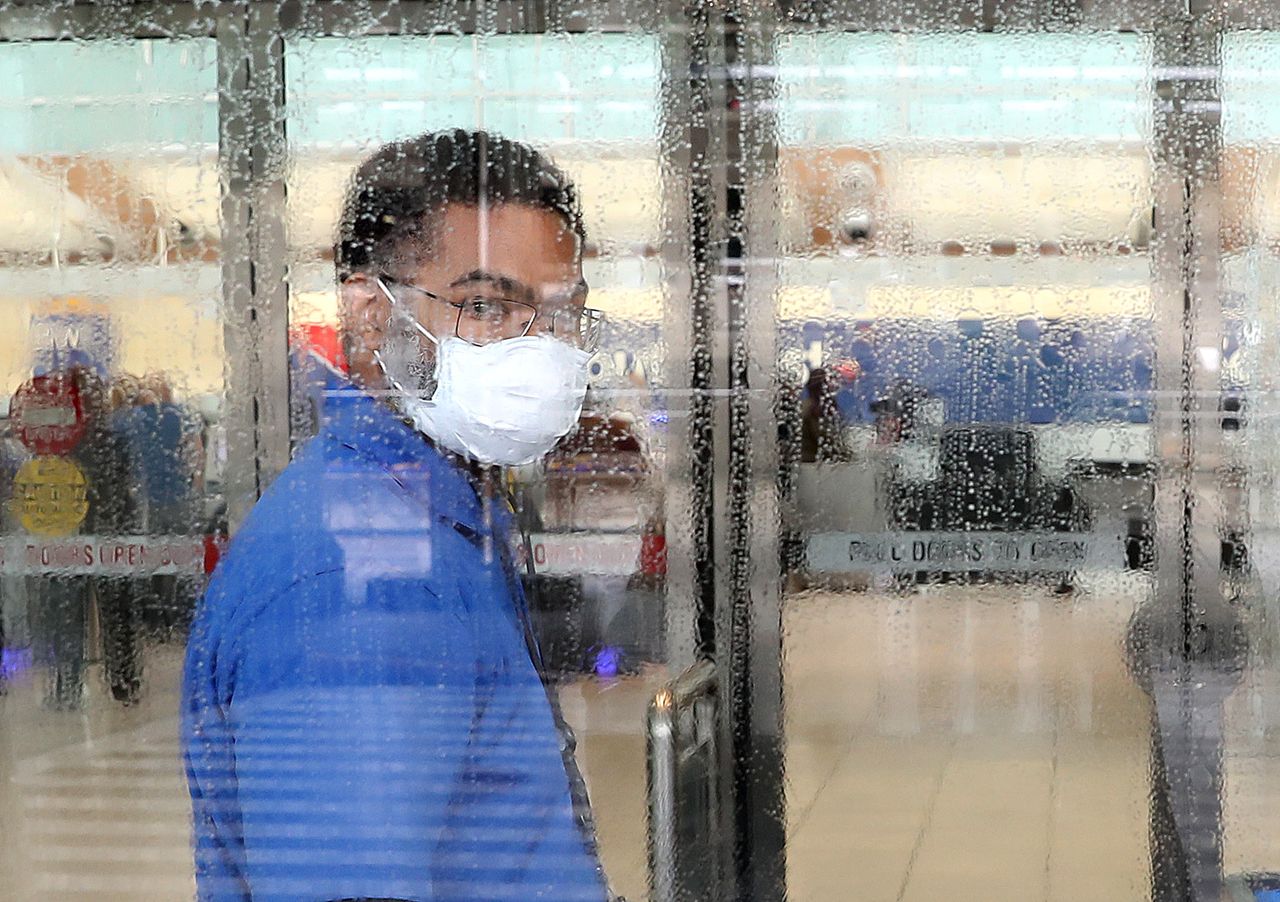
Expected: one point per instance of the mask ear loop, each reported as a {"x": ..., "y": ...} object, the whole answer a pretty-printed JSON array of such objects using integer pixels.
[{"x": 413, "y": 321}]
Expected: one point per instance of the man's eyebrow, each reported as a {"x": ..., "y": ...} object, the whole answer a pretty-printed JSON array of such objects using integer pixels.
[
  {"x": 506, "y": 284},
  {"x": 513, "y": 287}
]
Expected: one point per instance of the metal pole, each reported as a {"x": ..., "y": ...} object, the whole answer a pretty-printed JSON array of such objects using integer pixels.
[
  {"x": 235, "y": 169},
  {"x": 252, "y": 155},
  {"x": 752, "y": 618},
  {"x": 687, "y": 149},
  {"x": 1185, "y": 642},
  {"x": 662, "y": 799},
  {"x": 270, "y": 159}
]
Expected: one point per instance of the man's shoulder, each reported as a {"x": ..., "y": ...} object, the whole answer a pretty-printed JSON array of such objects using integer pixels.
[
  {"x": 326, "y": 473},
  {"x": 328, "y": 502},
  {"x": 286, "y": 531}
]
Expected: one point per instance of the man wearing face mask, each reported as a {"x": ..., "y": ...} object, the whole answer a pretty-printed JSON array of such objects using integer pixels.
[{"x": 364, "y": 717}]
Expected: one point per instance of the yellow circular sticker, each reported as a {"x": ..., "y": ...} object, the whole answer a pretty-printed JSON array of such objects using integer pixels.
[{"x": 50, "y": 496}]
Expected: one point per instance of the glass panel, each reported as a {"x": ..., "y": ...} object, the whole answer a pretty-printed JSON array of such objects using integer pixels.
[
  {"x": 966, "y": 335},
  {"x": 584, "y": 528},
  {"x": 360, "y": 679},
  {"x": 112, "y": 453},
  {"x": 1014, "y": 290},
  {"x": 1251, "y": 714}
]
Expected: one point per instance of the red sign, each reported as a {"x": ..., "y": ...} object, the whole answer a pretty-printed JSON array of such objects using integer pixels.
[
  {"x": 48, "y": 414},
  {"x": 322, "y": 340}
]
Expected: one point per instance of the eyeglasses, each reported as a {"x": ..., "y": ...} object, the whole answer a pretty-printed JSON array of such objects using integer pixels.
[{"x": 483, "y": 319}]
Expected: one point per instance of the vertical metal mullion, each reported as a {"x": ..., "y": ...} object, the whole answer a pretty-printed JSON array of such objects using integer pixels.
[
  {"x": 269, "y": 216},
  {"x": 685, "y": 158},
  {"x": 711, "y": 434},
  {"x": 235, "y": 168},
  {"x": 1188, "y": 638},
  {"x": 751, "y": 525},
  {"x": 693, "y": 154},
  {"x": 710, "y": 427},
  {"x": 251, "y": 158}
]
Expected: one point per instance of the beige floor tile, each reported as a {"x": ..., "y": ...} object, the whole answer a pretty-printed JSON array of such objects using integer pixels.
[
  {"x": 614, "y": 768},
  {"x": 1103, "y": 878},
  {"x": 94, "y": 805},
  {"x": 995, "y": 739},
  {"x": 608, "y": 718},
  {"x": 863, "y": 867},
  {"x": 810, "y": 764},
  {"x": 1251, "y": 810}
]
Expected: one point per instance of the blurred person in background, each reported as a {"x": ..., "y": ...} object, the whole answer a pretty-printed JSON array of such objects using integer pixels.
[
  {"x": 12, "y": 456},
  {"x": 364, "y": 713},
  {"x": 165, "y": 454},
  {"x": 822, "y": 426},
  {"x": 103, "y": 454},
  {"x": 59, "y": 602}
]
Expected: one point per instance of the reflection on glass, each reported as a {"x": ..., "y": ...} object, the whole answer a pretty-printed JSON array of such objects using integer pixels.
[
  {"x": 1250, "y": 746},
  {"x": 1020, "y": 290}
]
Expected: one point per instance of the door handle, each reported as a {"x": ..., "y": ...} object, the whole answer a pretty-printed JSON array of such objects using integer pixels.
[{"x": 684, "y": 819}]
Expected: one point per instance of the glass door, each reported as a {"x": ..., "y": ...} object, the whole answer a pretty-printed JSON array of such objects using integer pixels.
[
  {"x": 966, "y": 326},
  {"x": 176, "y": 180},
  {"x": 116, "y": 340},
  {"x": 1001, "y": 271},
  {"x": 174, "y": 183},
  {"x": 914, "y": 538},
  {"x": 609, "y": 518}
]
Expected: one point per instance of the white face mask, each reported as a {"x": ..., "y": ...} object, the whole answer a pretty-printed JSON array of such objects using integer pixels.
[{"x": 506, "y": 403}]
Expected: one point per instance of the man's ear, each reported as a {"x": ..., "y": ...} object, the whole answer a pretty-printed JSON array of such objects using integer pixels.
[{"x": 366, "y": 313}]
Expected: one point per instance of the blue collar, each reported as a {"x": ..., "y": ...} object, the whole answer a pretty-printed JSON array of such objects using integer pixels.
[{"x": 359, "y": 422}]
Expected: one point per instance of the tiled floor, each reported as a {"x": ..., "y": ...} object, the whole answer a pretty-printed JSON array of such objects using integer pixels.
[
  {"x": 964, "y": 743},
  {"x": 958, "y": 743},
  {"x": 94, "y": 805}
]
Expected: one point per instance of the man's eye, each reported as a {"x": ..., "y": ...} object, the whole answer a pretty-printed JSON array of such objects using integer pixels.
[{"x": 483, "y": 308}]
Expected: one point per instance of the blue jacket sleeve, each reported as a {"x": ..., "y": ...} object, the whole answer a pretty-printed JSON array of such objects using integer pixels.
[
  {"x": 512, "y": 833},
  {"x": 328, "y": 731},
  {"x": 210, "y": 766}
]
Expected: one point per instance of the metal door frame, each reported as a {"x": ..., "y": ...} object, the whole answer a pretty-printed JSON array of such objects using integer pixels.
[
  {"x": 696, "y": 142},
  {"x": 709, "y": 562},
  {"x": 724, "y": 575},
  {"x": 251, "y": 38},
  {"x": 749, "y": 600}
]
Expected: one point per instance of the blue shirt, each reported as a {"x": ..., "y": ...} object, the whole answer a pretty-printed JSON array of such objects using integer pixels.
[
  {"x": 361, "y": 714},
  {"x": 158, "y": 436}
]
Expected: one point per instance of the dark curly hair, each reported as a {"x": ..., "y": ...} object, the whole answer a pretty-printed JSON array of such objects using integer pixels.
[{"x": 393, "y": 195}]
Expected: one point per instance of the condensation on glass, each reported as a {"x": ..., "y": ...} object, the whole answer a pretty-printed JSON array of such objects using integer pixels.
[
  {"x": 1024, "y": 490},
  {"x": 596, "y": 514},
  {"x": 1013, "y": 266},
  {"x": 113, "y": 451},
  {"x": 170, "y": 291},
  {"x": 1247, "y": 513}
]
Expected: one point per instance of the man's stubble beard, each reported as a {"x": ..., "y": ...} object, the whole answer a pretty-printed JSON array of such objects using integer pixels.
[{"x": 410, "y": 360}]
